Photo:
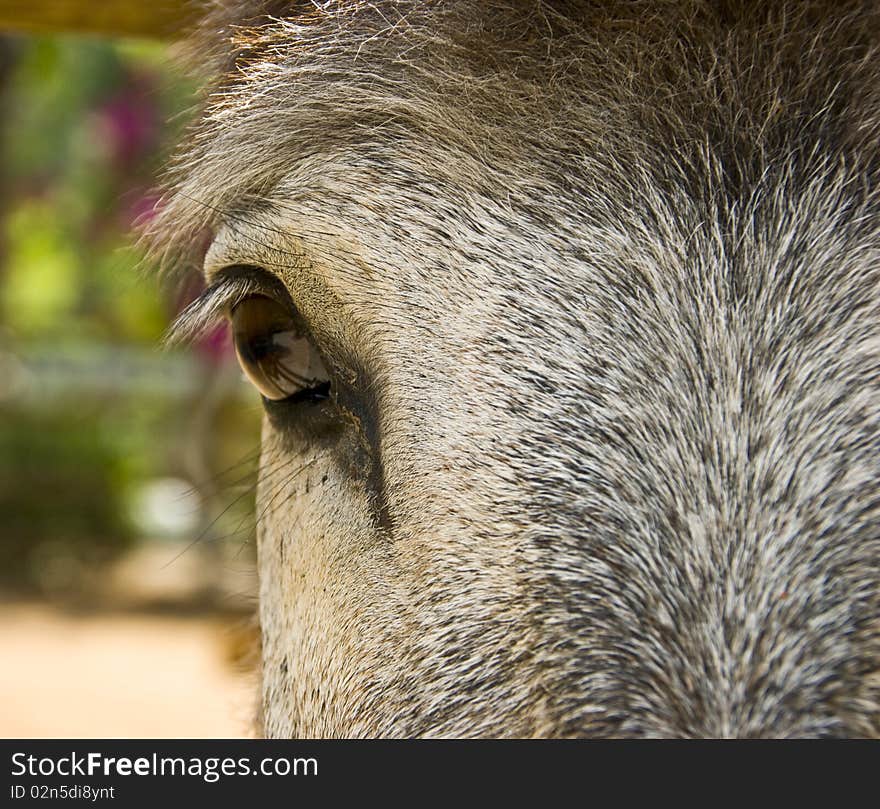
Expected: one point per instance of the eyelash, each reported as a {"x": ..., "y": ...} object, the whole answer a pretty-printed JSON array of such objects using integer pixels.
[{"x": 219, "y": 299}]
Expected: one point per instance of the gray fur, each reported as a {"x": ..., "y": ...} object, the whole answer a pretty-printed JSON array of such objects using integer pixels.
[{"x": 606, "y": 277}]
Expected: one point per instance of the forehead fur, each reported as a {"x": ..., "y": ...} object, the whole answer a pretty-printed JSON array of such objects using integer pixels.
[{"x": 703, "y": 98}]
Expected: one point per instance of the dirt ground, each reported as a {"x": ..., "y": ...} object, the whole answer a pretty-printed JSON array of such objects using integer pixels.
[{"x": 120, "y": 675}]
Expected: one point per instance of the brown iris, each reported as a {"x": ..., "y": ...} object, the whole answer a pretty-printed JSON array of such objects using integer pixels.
[{"x": 275, "y": 351}]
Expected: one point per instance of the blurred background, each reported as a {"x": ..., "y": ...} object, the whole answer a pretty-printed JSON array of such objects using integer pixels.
[{"x": 127, "y": 584}]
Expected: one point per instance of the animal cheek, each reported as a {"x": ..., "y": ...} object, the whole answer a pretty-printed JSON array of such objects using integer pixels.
[{"x": 325, "y": 600}]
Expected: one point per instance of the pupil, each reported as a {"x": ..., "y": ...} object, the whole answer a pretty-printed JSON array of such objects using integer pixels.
[{"x": 256, "y": 349}]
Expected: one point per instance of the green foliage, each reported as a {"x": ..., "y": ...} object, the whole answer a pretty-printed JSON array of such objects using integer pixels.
[
  {"x": 87, "y": 127},
  {"x": 41, "y": 274},
  {"x": 91, "y": 128},
  {"x": 61, "y": 485}
]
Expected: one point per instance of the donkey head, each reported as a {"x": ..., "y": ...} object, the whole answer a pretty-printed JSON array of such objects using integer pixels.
[{"x": 566, "y": 316}]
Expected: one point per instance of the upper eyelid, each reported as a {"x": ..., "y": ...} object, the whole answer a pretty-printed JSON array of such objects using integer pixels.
[{"x": 240, "y": 239}]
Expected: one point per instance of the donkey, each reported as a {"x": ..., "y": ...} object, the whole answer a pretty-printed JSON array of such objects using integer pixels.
[{"x": 566, "y": 320}]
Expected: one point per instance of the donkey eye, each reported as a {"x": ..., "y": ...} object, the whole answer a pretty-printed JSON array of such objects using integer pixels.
[{"x": 276, "y": 353}]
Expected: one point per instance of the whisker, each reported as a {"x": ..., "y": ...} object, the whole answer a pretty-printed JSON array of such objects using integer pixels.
[
  {"x": 213, "y": 522},
  {"x": 278, "y": 487},
  {"x": 254, "y": 455}
]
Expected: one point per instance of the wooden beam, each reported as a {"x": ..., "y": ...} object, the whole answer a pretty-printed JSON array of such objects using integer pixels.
[{"x": 155, "y": 19}]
